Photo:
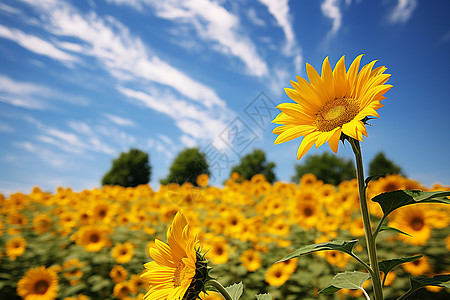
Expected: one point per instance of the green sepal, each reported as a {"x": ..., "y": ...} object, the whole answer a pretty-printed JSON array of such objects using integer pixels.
[
  {"x": 350, "y": 280},
  {"x": 422, "y": 281},
  {"x": 387, "y": 228},
  {"x": 264, "y": 297},
  {"x": 235, "y": 290},
  {"x": 390, "y": 201},
  {"x": 329, "y": 290},
  {"x": 344, "y": 246},
  {"x": 370, "y": 178}
]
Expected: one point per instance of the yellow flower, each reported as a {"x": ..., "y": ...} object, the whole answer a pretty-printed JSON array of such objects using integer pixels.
[
  {"x": 277, "y": 275},
  {"x": 122, "y": 253},
  {"x": 171, "y": 274},
  {"x": 15, "y": 247},
  {"x": 218, "y": 250},
  {"x": 418, "y": 267},
  {"x": 414, "y": 221},
  {"x": 123, "y": 289},
  {"x": 92, "y": 238},
  {"x": 38, "y": 284},
  {"x": 118, "y": 274},
  {"x": 251, "y": 260},
  {"x": 330, "y": 105},
  {"x": 202, "y": 180},
  {"x": 41, "y": 223}
]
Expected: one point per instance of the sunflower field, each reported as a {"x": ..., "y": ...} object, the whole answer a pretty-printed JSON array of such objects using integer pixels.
[{"x": 93, "y": 244}]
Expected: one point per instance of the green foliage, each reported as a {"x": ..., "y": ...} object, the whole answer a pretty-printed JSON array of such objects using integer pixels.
[
  {"x": 386, "y": 266},
  {"x": 380, "y": 165},
  {"x": 130, "y": 169},
  {"x": 264, "y": 297},
  {"x": 186, "y": 167},
  {"x": 235, "y": 290},
  {"x": 344, "y": 246},
  {"x": 422, "y": 281},
  {"x": 350, "y": 280},
  {"x": 255, "y": 163},
  {"x": 390, "y": 201},
  {"x": 327, "y": 167}
]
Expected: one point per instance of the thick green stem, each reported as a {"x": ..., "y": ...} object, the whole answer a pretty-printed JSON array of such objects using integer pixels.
[
  {"x": 221, "y": 289},
  {"x": 371, "y": 248}
]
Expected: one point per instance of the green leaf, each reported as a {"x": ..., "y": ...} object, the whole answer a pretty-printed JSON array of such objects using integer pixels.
[
  {"x": 387, "y": 228},
  {"x": 344, "y": 246},
  {"x": 422, "y": 281},
  {"x": 386, "y": 266},
  {"x": 370, "y": 178},
  {"x": 350, "y": 280},
  {"x": 329, "y": 290},
  {"x": 264, "y": 297},
  {"x": 235, "y": 290},
  {"x": 390, "y": 201}
]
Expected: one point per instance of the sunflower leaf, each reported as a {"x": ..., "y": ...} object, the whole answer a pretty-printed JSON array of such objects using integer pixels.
[
  {"x": 350, "y": 280},
  {"x": 235, "y": 290},
  {"x": 370, "y": 178},
  {"x": 344, "y": 246},
  {"x": 387, "y": 228},
  {"x": 264, "y": 297},
  {"x": 329, "y": 290},
  {"x": 422, "y": 281},
  {"x": 390, "y": 201},
  {"x": 386, "y": 266}
]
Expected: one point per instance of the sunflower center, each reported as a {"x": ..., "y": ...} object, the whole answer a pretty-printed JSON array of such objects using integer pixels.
[
  {"x": 94, "y": 238},
  {"x": 307, "y": 211},
  {"x": 417, "y": 224},
  {"x": 336, "y": 113},
  {"x": 41, "y": 287},
  {"x": 179, "y": 274}
]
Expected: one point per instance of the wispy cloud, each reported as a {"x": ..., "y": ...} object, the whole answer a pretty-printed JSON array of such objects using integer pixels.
[
  {"x": 403, "y": 11},
  {"x": 253, "y": 17},
  {"x": 120, "y": 53},
  {"x": 6, "y": 127},
  {"x": 35, "y": 44},
  {"x": 9, "y": 9},
  {"x": 120, "y": 120},
  {"x": 213, "y": 23},
  {"x": 331, "y": 10},
  {"x": 23, "y": 94}
]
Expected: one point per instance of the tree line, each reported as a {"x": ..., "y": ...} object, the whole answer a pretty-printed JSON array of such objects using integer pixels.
[{"x": 133, "y": 168}]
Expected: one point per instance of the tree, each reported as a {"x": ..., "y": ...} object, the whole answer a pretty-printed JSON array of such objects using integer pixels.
[
  {"x": 130, "y": 169},
  {"x": 327, "y": 167},
  {"x": 255, "y": 163},
  {"x": 186, "y": 167},
  {"x": 380, "y": 165}
]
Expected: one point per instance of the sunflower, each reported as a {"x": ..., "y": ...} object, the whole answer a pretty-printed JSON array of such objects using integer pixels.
[
  {"x": 277, "y": 275},
  {"x": 15, "y": 247},
  {"x": 118, "y": 274},
  {"x": 218, "y": 250},
  {"x": 123, "y": 289},
  {"x": 202, "y": 180},
  {"x": 122, "y": 253},
  {"x": 331, "y": 105},
  {"x": 251, "y": 260},
  {"x": 92, "y": 238},
  {"x": 336, "y": 258},
  {"x": 41, "y": 223},
  {"x": 38, "y": 284},
  {"x": 413, "y": 220},
  {"x": 179, "y": 270},
  {"x": 418, "y": 267}
]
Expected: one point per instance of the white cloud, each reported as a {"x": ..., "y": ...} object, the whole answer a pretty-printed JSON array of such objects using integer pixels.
[
  {"x": 403, "y": 11},
  {"x": 253, "y": 17},
  {"x": 188, "y": 141},
  {"x": 55, "y": 159},
  {"x": 120, "y": 53},
  {"x": 35, "y": 44},
  {"x": 23, "y": 94},
  {"x": 6, "y": 127},
  {"x": 120, "y": 120},
  {"x": 213, "y": 23},
  {"x": 330, "y": 9},
  {"x": 9, "y": 9}
]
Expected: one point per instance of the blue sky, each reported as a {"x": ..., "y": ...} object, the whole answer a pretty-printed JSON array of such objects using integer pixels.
[{"x": 82, "y": 81}]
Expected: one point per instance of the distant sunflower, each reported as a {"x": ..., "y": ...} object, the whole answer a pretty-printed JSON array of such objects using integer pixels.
[
  {"x": 251, "y": 260},
  {"x": 123, "y": 253},
  {"x": 277, "y": 275},
  {"x": 202, "y": 180},
  {"x": 413, "y": 220},
  {"x": 418, "y": 267},
  {"x": 15, "y": 247},
  {"x": 330, "y": 105},
  {"x": 92, "y": 238},
  {"x": 42, "y": 223},
  {"x": 179, "y": 270},
  {"x": 118, "y": 274},
  {"x": 123, "y": 289},
  {"x": 218, "y": 250},
  {"x": 38, "y": 284}
]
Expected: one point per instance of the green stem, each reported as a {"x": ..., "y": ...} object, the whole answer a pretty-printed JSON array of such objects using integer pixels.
[
  {"x": 377, "y": 230},
  {"x": 221, "y": 289},
  {"x": 371, "y": 248},
  {"x": 366, "y": 266}
]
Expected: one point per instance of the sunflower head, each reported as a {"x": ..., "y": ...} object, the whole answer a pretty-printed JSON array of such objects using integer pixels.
[{"x": 332, "y": 106}]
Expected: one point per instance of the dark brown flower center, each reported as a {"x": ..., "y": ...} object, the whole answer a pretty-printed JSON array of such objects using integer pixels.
[
  {"x": 336, "y": 113},
  {"x": 417, "y": 223},
  {"x": 41, "y": 287}
]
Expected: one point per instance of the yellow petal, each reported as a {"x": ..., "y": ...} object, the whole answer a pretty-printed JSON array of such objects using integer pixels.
[
  {"x": 340, "y": 79},
  {"x": 327, "y": 78},
  {"x": 306, "y": 144},
  {"x": 353, "y": 71},
  {"x": 293, "y": 133},
  {"x": 334, "y": 140},
  {"x": 350, "y": 129}
]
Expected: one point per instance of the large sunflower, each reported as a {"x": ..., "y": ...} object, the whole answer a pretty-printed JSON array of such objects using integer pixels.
[
  {"x": 178, "y": 270},
  {"x": 38, "y": 284},
  {"x": 331, "y": 105}
]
